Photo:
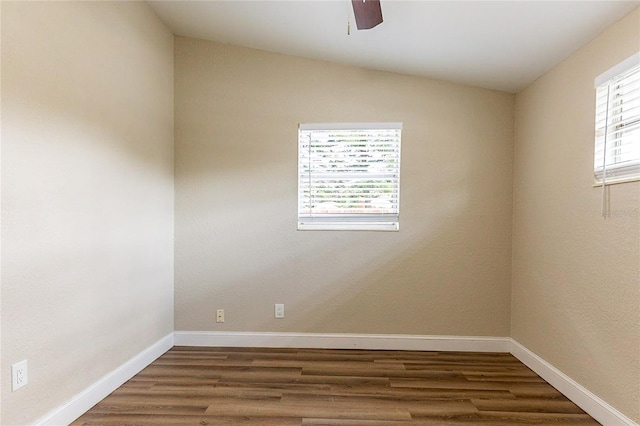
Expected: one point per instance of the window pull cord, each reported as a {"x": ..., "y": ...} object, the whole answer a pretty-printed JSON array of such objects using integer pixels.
[{"x": 604, "y": 156}]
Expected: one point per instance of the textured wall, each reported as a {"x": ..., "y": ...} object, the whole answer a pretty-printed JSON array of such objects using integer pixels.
[
  {"x": 87, "y": 194},
  {"x": 576, "y": 276},
  {"x": 446, "y": 272}
]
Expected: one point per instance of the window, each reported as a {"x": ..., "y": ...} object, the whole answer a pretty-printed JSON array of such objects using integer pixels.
[
  {"x": 617, "y": 145},
  {"x": 349, "y": 176}
]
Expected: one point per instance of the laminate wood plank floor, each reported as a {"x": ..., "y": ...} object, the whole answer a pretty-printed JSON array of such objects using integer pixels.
[{"x": 249, "y": 386}]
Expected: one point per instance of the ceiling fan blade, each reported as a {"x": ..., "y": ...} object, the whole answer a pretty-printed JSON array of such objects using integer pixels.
[{"x": 368, "y": 13}]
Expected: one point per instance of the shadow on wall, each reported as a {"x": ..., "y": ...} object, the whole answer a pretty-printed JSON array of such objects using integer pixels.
[
  {"x": 443, "y": 273},
  {"x": 96, "y": 95}
]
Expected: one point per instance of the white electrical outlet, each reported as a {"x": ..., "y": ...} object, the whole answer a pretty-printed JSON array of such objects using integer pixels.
[
  {"x": 279, "y": 310},
  {"x": 220, "y": 315},
  {"x": 19, "y": 376}
]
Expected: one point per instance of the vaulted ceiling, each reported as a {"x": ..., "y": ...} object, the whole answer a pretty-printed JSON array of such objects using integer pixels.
[{"x": 502, "y": 45}]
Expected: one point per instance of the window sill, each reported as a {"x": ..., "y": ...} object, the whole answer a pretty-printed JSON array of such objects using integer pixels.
[
  {"x": 385, "y": 227},
  {"x": 614, "y": 181}
]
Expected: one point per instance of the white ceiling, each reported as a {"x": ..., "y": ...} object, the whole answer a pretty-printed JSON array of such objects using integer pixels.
[{"x": 503, "y": 45}]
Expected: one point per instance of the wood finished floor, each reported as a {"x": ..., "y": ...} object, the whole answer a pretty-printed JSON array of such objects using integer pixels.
[{"x": 233, "y": 386}]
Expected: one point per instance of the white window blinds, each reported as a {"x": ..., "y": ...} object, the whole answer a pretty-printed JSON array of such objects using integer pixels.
[
  {"x": 349, "y": 176},
  {"x": 617, "y": 144}
]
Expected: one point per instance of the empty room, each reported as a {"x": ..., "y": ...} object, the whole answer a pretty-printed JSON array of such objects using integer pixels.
[{"x": 320, "y": 212}]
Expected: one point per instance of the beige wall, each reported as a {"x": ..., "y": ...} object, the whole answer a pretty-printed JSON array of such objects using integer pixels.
[
  {"x": 87, "y": 194},
  {"x": 446, "y": 272},
  {"x": 87, "y": 205},
  {"x": 576, "y": 276},
  {"x": 1, "y": 381}
]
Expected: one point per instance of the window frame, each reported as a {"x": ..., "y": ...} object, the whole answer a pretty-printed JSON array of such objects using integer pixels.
[
  {"x": 608, "y": 172},
  {"x": 378, "y": 148}
]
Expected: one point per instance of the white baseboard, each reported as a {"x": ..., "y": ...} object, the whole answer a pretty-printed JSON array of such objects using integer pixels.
[
  {"x": 342, "y": 341},
  {"x": 592, "y": 404},
  {"x": 582, "y": 397},
  {"x": 89, "y": 397}
]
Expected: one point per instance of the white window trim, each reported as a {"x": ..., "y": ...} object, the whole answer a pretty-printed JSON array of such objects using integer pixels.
[
  {"x": 618, "y": 174},
  {"x": 618, "y": 69},
  {"x": 346, "y": 221}
]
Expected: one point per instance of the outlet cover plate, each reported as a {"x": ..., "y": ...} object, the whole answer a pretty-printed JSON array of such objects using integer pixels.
[
  {"x": 19, "y": 377},
  {"x": 279, "y": 310}
]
